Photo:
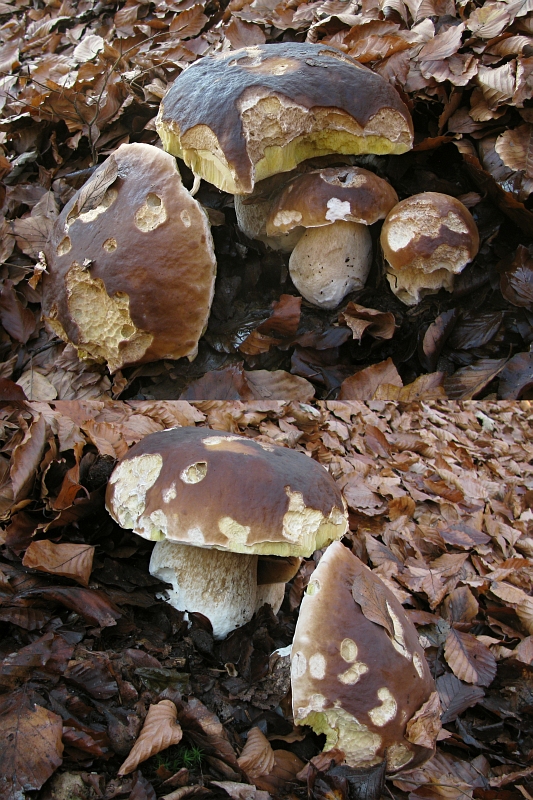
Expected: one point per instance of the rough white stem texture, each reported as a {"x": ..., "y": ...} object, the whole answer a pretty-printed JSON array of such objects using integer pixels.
[
  {"x": 216, "y": 583},
  {"x": 330, "y": 262}
]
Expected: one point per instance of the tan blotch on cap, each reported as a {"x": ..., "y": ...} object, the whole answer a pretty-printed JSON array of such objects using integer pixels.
[
  {"x": 239, "y": 117},
  {"x": 427, "y": 239},
  {"x": 335, "y": 205},
  {"x": 215, "y": 502},
  {"x": 131, "y": 268},
  {"x": 367, "y": 688}
]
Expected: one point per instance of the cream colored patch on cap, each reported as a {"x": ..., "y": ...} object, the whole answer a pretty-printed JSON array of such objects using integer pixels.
[
  {"x": 196, "y": 536},
  {"x": 337, "y": 209},
  {"x": 419, "y": 666},
  {"x": 360, "y": 745},
  {"x": 313, "y": 587},
  {"x": 214, "y": 441},
  {"x": 383, "y": 713},
  {"x": 398, "y": 756},
  {"x": 298, "y": 665},
  {"x": 316, "y": 703},
  {"x": 348, "y": 650},
  {"x": 194, "y": 473},
  {"x": 131, "y": 480},
  {"x": 286, "y": 218},
  {"x": 353, "y": 673},
  {"x": 317, "y": 666},
  {"x": 235, "y": 532},
  {"x": 300, "y": 524},
  {"x": 169, "y": 494}
]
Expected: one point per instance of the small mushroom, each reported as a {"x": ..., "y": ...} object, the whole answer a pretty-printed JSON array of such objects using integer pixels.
[
  {"x": 335, "y": 206},
  {"x": 427, "y": 239},
  {"x": 238, "y": 117},
  {"x": 217, "y": 504},
  {"x": 131, "y": 263},
  {"x": 358, "y": 672}
]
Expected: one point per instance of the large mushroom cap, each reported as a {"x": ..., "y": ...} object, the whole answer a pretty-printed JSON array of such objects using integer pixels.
[
  {"x": 239, "y": 117},
  {"x": 131, "y": 263},
  {"x": 325, "y": 196},
  {"x": 358, "y": 672},
  {"x": 218, "y": 490},
  {"x": 427, "y": 239}
]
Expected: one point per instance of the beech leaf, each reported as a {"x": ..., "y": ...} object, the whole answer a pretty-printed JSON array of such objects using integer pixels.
[
  {"x": 470, "y": 659},
  {"x": 368, "y": 593},
  {"x": 257, "y": 757},
  {"x": 515, "y": 148},
  {"x": 425, "y": 724},
  {"x": 92, "y": 192},
  {"x": 69, "y": 560},
  {"x": 364, "y": 384},
  {"x": 31, "y": 748},
  {"x": 18, "y": 321},
  {"x": 160, "y": 730}
]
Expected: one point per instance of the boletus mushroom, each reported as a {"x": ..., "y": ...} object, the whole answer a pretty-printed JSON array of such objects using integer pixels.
[
  {"x": 238, "y": 117},
  {"x": 131, "y": 263},
  {"x": 358, "y": 672},
  {"x": 427, "y": 239},
  {"x": 216, "y": 504},
  {"x": 334, "y": 206}
]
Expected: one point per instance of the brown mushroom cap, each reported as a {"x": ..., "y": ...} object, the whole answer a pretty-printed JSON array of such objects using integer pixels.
[
  {"x": 131, "y": 274},
  {"x": 322, "y": 197},
  {"x": 354, "y": 680},
  {"x": 239, "y": 117},
  {"x": 217, "y": 490},
  {"x": 426, "y": 240}
]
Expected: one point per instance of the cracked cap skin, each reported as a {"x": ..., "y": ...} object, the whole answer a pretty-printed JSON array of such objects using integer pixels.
[
  {"x": 217, "y": 490},
  {"x": 132, "y": 280},
  {"x": 239, "y": 117},
  {"x": 350, "y": 678}
]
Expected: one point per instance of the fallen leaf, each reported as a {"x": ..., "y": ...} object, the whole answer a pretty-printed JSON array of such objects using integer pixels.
[
  {"x": 425, "y": 724},
  {"x": 160, "y": 730},
  {"x": 31, "y": 748},
  {"x": 91, "y": 604},
  {"x": 26, "y": 458},
  {"x": 368, "y": 592},
  {"x": 36, "y": 386},
  {"x": 279, "y": 385},
  {"x": 469, "y": 659},
  {"x": 456, "y": 696},
  {"x": 364, "y": 384},
  {"x": 516, "y": 378},
  {"x": 467, "y": 382},
  {"x": 257, "y": 756},
  {"x": 69, "y": 560},
  {"x": 379, "y": 324},
  {"x": 18, "y": 321},
  {"x": 244, "y": 34},
  {"x": 92, "y": 192},
  {"x": 515, "y": 148},
  {"x": 516, "y": 280}
]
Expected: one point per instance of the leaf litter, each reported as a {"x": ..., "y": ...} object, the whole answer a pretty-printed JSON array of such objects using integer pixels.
[
  {"x": 81, "y": 78},
  {"x": 106, "y": 688}
]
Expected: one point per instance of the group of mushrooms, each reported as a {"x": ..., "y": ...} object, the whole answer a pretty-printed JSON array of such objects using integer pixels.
[
  {"x": 130, "y": 262},
  {"x": 358, "y": 671}
]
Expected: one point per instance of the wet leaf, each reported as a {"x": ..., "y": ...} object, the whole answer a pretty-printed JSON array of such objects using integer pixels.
[
  {"x": 475, "y": 329},
  {"x": 69, "y": 560},
  {"x": 379, "y": 324},
  {"x": 31, "y": 748},
  {"x": 364, "y": 384},
  {"x": 516, "y": 378},
  {"x": 470, "y": 660},
  {"x": 516, "y": 281},
  {"x": 18, "y": 321},
  {"x": 92, "y": 605},
  {"x": 456, "y": 696},
  {"x": 160, "y": 730},
  {"x": 468, "y": 382}
]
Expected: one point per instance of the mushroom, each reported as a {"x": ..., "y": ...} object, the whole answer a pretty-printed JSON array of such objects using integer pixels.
[
  {"x": 335, "y": 207},
  {"x": 358, "y": 672},
  {"x": 216, "y": 504},
  {"x": 238, "y": 117},
  {"x": 131, "y": 263},
  {"x": 427, "y": 239}
]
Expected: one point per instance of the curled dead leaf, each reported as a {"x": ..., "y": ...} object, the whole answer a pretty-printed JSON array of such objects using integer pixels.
[
  {"x": 69, "y": 560},
  {"x": 160, "y": 730},
  {"x": 424, "y": 726},
  {"x": 257, "y": 757},
  {"x": 470, "y": 660}
]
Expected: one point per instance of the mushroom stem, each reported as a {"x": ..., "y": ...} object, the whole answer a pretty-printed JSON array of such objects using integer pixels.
[
  {"x": 219, "y": 584},
  {"x": 331, "y": 261}
]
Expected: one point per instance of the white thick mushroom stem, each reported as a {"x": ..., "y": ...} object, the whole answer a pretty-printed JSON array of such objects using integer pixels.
[
  {"x": 330, "y": 262},
  {"x": 216, "y": 583}
]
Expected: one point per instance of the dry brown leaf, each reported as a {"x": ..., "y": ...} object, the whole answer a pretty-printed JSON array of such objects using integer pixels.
[
  {"x": 424, "y": 725},
  {"x": 368, "y": 593},
  {"x": 456, "y": 696},
  {"x": 516, "y": 280},
  {"x": 160, "y": 730},
  {"x": 469, "y": 659},
  {"x": 515, "y": 148},
  {"x": 279, "y": 385},
  {"x": 18, "y": 321},
  {"x": 244, "y": 34},
  {"x": 364, "y": 384},
  {"x": 257, "y": 757},
  {"x": 379, "y": 324},
  {"x": 36, "y": 386},
  {"x": 460, "y": 605},
  {"x": 467, "y": 382},
  {"x": 489, "y": 20},
  {"x": 69, "y": 560},
  {"x": 425, "y": 387},
  {"x": 93, "y": 191},
  {"x": 26, "y": 458},
  {"x": 443, "y": 45},
  {"x": 31, "y": 747}
]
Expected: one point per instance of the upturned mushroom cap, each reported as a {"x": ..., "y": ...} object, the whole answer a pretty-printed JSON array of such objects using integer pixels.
[
  {"x": 325, "y": 196},
  {"x": 131, "y": 263},
  {"x": 358, "y": 672},
  {"x": 237, "y": 118},
  {"x": 211, "y": 489},
  {"x": 427, "y": 239}
]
